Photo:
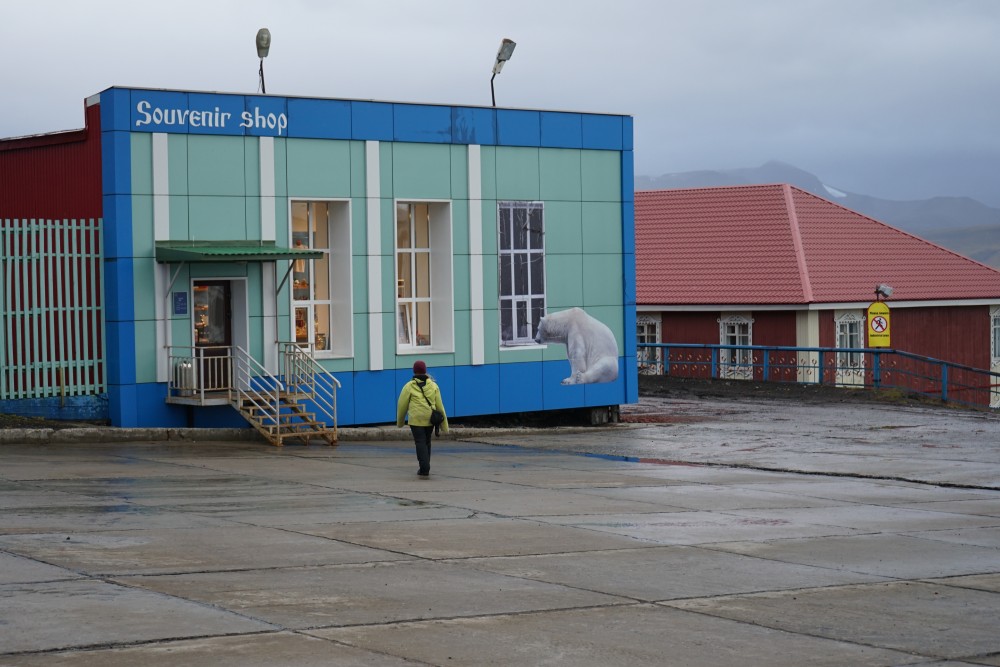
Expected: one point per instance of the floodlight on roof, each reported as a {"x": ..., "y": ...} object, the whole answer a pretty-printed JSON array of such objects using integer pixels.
[
  {"x": 263, "y": 47},
  {"x": 503, "y": 55},
  {"x": 883, "y": 291}
]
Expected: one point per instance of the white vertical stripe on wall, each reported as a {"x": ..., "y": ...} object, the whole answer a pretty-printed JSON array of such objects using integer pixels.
[
  {"x": 161, "y": 232},
  {"x": 478, "y": 328},
  {"x": 268, "y": 232},
  {"x": 374, "y": 226}
]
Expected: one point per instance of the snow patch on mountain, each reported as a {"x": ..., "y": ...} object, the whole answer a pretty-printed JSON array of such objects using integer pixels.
[{"x": 834, "y": 191}]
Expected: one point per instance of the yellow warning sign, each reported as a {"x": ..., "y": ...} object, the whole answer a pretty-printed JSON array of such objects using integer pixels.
[{"x": 878, "y": 325}]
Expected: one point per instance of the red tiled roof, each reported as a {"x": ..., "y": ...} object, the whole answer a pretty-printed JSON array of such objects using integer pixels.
[{"x": 777, "y": 244}]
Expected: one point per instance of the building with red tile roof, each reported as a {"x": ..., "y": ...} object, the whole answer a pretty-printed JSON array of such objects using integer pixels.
[{"x": 776, "y": 265}]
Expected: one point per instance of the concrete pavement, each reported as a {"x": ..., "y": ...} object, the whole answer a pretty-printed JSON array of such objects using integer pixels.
[{"x": 712, "y": 533}]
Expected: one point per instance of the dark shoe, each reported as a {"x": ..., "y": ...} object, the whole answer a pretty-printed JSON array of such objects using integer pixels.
[{"x": 423, "y": 475}]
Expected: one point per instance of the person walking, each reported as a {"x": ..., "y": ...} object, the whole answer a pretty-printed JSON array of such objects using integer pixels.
[{"x": 420, "y": 398}]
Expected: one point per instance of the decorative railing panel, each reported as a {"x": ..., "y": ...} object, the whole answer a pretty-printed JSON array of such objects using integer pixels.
[
  {"x": 51, "y": 317},
  {"x": 875, "y": 368}
]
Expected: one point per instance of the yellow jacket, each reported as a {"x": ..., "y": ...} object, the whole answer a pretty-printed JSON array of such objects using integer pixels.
[{"x": 411, "y": 400}]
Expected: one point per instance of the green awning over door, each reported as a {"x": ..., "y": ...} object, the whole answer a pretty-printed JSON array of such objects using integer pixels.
[{"x": 228, "y": 251}]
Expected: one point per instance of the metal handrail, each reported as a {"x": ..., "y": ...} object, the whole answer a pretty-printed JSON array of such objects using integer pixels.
[
  {"x": 304, "y": 374},
  {"x": 877, "y": 368},
  {"x": 251, "y": 388}
]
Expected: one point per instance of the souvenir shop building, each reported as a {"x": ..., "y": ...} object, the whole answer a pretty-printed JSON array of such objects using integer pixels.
[{"x": 189, "y": 253}]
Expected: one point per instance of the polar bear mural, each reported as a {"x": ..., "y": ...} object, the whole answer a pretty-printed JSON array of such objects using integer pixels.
[{"x": 590, "y": 345}]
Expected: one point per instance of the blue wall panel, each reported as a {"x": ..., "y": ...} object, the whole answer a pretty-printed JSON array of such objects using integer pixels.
[
  {"x": 319, "y": 119},
  {"x": 627, "y": 124},
  {"x": 156, "y": 412},
  {"x": 628, "y": 177},
  {"x": 211, "y": 111},
  {"x": 557, "y": 396},
  {"x": 115, "y": 115},
  {"x": 477, "y": 390},
  {"x": 628, "y": 276},
  {"x": 473, "y": 126},
  {"x": 346, "y": 398},
  {"x": 119, "y": 305},
  {"x": 632, "y": 382},
  {"x": 116, "y": 163},
  {"x": 608, "y": 393},
  {"x": 424, "y": 124},
  {"x": 221, "y": 416},
  {"x": 120, "y": 345},
  {"x": 265, "y": 116},
  {"x": 157, "y": 111},
  {"x": 521, "y": 387},
  {"x": 117, "y": 233},
  {"x": 376, "y": 394},
  {"x": 602, "y": 132},
  {"x": 123, "y": 407},
  {"x": 371, "y": 121},
  {"x": 561, "y": 130},
  {"x": 518, "y": 128}
]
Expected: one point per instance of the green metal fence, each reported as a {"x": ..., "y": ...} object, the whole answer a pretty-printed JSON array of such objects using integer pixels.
[{"x": 52, "y": 337}]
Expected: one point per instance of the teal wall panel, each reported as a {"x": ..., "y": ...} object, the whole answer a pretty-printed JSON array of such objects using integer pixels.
[
  {"x": 559, "y": 174},
  {"x": 489, "y": 214},
  {"x": 564, "y": 277},
  {"x": 217, "y": 218},
  {"x": 318, "y": 168},
  {"x": 459, "y": 172},
  {"x": 488, "y": 166},
  {"x": 251, "y": 166},
  {"x": 141, "y": 146},
  {"x": 563, "y": 228},
  {"x": 491, "y": 333},
  {"x": 145, "y": 351},
  {"x": 144, "y": 288},
  {"x": 216, "y": 166},
  {"x": 599, "y": 285},
  {"x": 517, "y": 173},
  {"x": 601, "y": 176},
  {"x": 602, "y": 227},
  {"x": 460, "y": 227},
  {"x": 461, "y": 283},
  {"x": 280, "y": 168},
  {"x": 178, "y": 170},
  {"x": 142, "y": 225},
  {"x": 359, "y": 182},
  {"x": 180, "y": 217},
  {"x": 421, "y": 171}
]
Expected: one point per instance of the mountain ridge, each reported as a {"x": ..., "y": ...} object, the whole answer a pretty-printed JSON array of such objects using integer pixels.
[{"x": 961, "y": 224}]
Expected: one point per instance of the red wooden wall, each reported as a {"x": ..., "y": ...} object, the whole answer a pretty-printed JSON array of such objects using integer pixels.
[{"x": 53, "y": 176}]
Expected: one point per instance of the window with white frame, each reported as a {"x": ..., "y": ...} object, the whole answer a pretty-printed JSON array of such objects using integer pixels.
[
  {"x": 424, "y": 301},
  {"x": 321, "y": 288},
  {"x": 521, "y": 257},
  {"x": 849, "y": 336},
  {"x": 736, "y": 329},
  {"x": 648, "y": 331}
]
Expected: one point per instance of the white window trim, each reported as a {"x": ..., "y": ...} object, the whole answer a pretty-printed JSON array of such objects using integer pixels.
[
  {"x": 527, "y": 343},
  {"x": 442, "y": 279},
  {"x": 652, "y": 364},
  {"x": 853, "y": 373},
  {"x": 341, "y": 277},
  {"x": 994, "y": 343},
  {"x": 742, "y": 367}
]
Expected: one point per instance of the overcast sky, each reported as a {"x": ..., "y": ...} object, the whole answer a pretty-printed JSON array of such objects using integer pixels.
[{"x": 893, "y": 98}]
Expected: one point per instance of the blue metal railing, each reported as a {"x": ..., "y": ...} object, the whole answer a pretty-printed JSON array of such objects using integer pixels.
[{"x": 875, "y": 368}]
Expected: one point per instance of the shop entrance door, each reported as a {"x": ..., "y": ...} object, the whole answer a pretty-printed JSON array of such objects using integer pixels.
[{"x": 213, "y": 333}]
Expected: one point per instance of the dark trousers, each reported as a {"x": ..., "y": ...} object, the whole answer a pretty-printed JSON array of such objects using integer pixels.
[{"x": 422, "y": 439}]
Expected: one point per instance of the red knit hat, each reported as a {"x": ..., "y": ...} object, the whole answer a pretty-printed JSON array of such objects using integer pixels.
[{"x": 419, "y": 368}]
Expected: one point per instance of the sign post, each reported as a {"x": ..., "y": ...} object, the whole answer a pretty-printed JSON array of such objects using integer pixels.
[{"x": 878, "y": 325}]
